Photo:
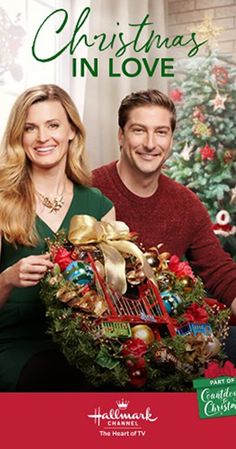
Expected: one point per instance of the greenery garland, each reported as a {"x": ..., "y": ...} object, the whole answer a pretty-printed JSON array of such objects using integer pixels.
[{"x": 112, "y": 360}]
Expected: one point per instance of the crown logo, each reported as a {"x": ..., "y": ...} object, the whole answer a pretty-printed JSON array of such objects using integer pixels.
[{"x": 122, "y": 405}]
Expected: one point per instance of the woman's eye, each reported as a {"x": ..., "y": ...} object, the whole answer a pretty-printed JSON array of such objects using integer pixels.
[
  {"x": 29, "y": 128},
  {"x": 54, "y": 125}
]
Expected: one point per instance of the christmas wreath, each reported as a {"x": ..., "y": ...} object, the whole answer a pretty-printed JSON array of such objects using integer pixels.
[{"x": 129, "y": 319}]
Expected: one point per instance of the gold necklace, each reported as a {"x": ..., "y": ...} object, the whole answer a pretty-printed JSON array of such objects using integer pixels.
[{"x": 53, "y": 205}]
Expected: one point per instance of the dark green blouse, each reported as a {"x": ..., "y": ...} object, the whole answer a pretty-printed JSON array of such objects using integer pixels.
[{"x": 22, "y": 319}]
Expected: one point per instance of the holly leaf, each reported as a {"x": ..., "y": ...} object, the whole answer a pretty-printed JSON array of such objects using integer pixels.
[{"x": 105, "y": 360}]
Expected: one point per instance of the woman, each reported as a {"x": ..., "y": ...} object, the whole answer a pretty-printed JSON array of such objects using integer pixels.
[{"x": 44, "y": 181}]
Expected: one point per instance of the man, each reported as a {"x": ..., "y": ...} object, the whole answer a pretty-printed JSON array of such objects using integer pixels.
[{"x": 158, "y": 208}]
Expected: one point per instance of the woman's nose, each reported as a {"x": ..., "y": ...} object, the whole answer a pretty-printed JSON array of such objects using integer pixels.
[{"x": 43, "y": 134}]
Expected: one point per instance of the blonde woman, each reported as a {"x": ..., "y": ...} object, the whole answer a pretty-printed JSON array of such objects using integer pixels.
[{"x": 44, "y": 181}]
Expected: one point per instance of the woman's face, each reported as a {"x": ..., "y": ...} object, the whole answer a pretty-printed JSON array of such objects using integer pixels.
[{"x": 47, "y": 133}]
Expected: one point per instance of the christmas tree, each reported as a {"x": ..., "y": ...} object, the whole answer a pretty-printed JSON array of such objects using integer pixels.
[{"x": 204, "y": 152}]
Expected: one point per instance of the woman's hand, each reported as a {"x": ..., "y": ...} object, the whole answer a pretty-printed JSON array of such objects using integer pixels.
[{"x": 28, "y": 271}]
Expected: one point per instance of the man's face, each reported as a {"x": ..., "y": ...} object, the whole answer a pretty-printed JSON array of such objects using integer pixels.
[{"x": 146, "y": 139}]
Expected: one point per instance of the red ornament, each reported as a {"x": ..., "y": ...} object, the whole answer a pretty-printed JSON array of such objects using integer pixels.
[
  {"x": 207, "y": 153},
  {"x": 221, "y": 74},
  {"x": 222, "y": 225},
  {"x": 180, "y": 268},
  {"x": 62, "y": 258},
  {"x": 176, "y": 95},
  {"x": 134, "y": 347},
  {"x": 196, "y": 314},
  {"x": 197, "y": 113}
]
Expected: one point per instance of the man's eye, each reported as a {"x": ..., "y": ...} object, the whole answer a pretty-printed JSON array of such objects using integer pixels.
[
  {"x": 138, "y": 130},
  {"x": 161, "y": 132}
]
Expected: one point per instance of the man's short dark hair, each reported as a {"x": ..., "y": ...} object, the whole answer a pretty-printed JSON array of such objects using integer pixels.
[{"x": 150, "y": 97}]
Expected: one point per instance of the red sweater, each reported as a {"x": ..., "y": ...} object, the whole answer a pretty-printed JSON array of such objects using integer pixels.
[{"x": 174, "y": 216}]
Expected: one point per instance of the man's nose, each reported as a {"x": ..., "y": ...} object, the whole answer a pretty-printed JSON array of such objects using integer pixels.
[{"x": 150, "y": 141}]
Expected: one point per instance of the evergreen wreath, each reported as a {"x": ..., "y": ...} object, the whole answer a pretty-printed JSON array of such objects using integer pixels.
[{"x": 154, "y": 331}]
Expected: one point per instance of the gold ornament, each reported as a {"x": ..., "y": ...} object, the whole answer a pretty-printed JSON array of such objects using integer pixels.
[
  {"x": 152, "y": 259},
  {"x": 200, "y": 348},
  {"x": 187, "y": 283},
  {"x": 143, "y": 332},
  {"x": 213, "y": 346},
  {"x": 207, "y": 31},
  {"x": 158, "y": 261},
  {"x": 135, "y": 277},
  {"x": 201, "y": 129},
  {"x": 165, "y": 280}
]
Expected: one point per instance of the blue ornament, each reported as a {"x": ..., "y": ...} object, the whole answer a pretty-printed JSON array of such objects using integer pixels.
[
  {"x": 79, "y": 273},
  {"x": 171, "y": 301}
]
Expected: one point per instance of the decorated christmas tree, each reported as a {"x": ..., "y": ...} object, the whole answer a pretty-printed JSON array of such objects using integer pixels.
[{"x": 204, "y": 152}]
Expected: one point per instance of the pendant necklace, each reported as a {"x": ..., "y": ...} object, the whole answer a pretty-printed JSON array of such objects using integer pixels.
[{"x": 55, "y": 204}]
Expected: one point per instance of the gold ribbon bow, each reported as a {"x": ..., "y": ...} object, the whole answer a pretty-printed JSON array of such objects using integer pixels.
[{"x": 113, "y": 240}]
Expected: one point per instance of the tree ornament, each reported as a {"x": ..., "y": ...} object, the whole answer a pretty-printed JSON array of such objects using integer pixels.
[
  {"x": 171, "y": 301},
  {"x": 233, "y": 196},
  {"x": 201, "y": 129},
  {"x": 213, "y": 346},
  {"x": 222, "y": 226},
  {"x": 135, "y": 277},
  {"x": 186, "y": 153},
  {"x": 158, "y": 261},
  {"x": 223, "y": 217},
  {"x": 152, "y": 259},
  {"x": 165, "y": 280},
  {"x": 221, "y": 74},
  {"x": 79, "y": 273},
  {"x": 207, "y": 153},
  {"x": 143, "y": 332},
  {"x": 207, "y": 31},
  {"x": 228, "y": 156},
  {"x": 176, "y": 95},
  {"x": 187, "y": 283},
  {"x": 198, "y": 114},
  {"x": 218, "y": 102}
]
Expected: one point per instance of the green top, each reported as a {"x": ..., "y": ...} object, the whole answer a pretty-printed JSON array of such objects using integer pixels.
[{"x": 22, "y": 319}]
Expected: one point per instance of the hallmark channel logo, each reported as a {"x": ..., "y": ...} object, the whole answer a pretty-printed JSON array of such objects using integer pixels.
[{"x": 122, "y": 421}]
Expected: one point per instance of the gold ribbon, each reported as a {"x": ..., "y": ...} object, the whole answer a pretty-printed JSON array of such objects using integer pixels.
[{"x": 113, "y": 240}]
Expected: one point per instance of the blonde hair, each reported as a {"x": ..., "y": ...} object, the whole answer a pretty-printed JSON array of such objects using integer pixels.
[{"x": 17, "y": 194}]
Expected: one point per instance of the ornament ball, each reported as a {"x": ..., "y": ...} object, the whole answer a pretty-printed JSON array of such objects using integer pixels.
[{"x": 143, "y": 332}]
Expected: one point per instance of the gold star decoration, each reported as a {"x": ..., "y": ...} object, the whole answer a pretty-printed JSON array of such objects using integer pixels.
[{"x": 207, "y": 31}]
